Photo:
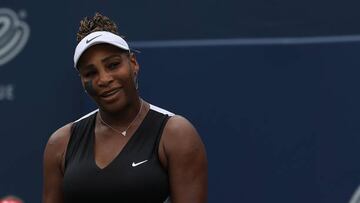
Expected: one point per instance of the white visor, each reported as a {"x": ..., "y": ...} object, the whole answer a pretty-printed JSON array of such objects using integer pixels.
[{"x": 98, "y": 37}]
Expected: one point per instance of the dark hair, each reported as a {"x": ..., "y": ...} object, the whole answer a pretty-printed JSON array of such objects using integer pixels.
[{"x": 98, "y": 22}]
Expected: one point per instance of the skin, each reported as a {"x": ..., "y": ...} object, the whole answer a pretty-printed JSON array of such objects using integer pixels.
[
  {"x": 107, "y": 74},
  {"x": 88, "y": 85}
]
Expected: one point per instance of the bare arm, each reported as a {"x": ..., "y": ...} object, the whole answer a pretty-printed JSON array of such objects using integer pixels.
[
  {"x": 53, "y": 165},
  {"x": 186, "y": 162}
]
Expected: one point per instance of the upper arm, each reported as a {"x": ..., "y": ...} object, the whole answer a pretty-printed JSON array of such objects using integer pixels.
[
  {"x": 53, "y": 162},
  {"x": 186, "y": 161}
]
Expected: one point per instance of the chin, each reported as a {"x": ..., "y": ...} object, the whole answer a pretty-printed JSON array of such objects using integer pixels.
[{"x": 113, "y": 107}]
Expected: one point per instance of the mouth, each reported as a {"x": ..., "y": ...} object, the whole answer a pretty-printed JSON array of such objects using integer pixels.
[{"x": 110, "y": 93}]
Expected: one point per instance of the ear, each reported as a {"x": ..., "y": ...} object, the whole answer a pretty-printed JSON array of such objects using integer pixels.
[{"x": 134, "y": 64}]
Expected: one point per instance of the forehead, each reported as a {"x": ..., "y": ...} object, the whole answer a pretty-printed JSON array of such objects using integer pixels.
[{"x": 97, "y": 53}]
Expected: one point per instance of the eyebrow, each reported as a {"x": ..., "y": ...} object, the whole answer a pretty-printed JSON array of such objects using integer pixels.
[
  {"x": 84, "y": 68},
  {"x": 110, "y": 57},
  {"x": 102, "y": 60}
]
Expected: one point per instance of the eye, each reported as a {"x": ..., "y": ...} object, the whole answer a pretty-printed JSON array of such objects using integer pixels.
[
  {"x": 113, "y": 65},
  {"x": 89, "y": 74}
]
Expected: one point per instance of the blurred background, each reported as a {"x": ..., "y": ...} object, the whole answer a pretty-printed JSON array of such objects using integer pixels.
[{"x": 272, "y": 87}]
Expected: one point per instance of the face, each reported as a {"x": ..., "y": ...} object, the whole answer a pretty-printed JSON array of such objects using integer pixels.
[{"x": 107, "y": 73}]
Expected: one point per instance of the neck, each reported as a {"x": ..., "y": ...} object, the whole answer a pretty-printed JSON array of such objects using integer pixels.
[{"x": 123, "y": 117}]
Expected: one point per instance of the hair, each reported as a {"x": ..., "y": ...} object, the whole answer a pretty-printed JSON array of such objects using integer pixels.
[{"x": 98, "y": 22}]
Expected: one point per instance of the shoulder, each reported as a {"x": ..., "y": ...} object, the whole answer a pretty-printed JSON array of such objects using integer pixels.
[
  {"x": 60, "y": 134},
  {"x": 176, "y": 127},
  {"x": 179, "y": 126},
  {"x": 56, "y": 147},
  {"x": 58, "y": 140},
  {"x": 180, "y": 136}
]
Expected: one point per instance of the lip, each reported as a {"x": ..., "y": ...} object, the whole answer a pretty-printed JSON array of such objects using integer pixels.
[{"x": 110, "y": 93}]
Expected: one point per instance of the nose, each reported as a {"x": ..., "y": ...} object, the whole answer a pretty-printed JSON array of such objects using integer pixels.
[{"x": 105, "y": 78}]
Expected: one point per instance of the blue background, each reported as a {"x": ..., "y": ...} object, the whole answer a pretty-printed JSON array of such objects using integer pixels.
[{"x": 280, "y": 121}]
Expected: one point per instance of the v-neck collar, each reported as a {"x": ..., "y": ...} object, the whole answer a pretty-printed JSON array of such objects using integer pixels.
[{"x": 122, "y": 151}]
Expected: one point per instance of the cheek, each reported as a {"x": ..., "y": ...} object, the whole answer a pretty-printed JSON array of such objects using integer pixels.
[
  {"x": 124, "y": 77},
  {"x": 88, "y": 85}
]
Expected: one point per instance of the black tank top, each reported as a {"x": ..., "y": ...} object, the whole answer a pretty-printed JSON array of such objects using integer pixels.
[{"x": 134, "y": 176}]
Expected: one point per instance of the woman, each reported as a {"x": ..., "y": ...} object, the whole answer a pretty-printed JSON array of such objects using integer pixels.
[{"x": 128, "y": 150}]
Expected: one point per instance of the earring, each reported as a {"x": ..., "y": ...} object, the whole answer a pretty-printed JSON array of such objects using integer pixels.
[{"x": 136, "y": 81}]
